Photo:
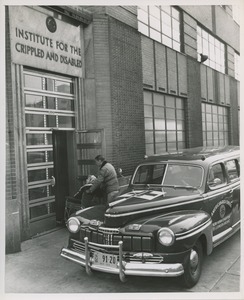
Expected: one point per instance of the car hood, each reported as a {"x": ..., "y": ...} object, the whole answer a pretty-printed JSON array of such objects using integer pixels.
[{"x": 136, "y": 204}]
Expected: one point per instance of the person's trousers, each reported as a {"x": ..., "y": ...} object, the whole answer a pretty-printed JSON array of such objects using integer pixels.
[{"x": 111, "y": 196}]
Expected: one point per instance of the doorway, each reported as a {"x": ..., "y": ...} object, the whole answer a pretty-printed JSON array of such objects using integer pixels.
[{"x": 64, "y": 170}]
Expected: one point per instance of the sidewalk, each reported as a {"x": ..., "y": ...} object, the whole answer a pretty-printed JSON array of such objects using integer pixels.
[{"x": 38, "y": 268}]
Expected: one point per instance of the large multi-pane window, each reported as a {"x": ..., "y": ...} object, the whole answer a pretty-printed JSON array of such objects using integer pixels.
[
  {"x": 215, "y": 125},
  {"x": 164, "y": 122},
  {"x": 213, "y": 48},
  {"x": 161, "y": 23},
  {"x": 237, "y": 66},
  {"x": 49, "y": 103}
]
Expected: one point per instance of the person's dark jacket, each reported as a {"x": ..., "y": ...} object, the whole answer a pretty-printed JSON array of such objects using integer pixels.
[{"x": 107, "y": 177}]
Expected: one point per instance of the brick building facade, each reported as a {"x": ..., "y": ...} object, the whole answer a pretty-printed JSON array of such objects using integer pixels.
[{"x": 122, "y": 81}]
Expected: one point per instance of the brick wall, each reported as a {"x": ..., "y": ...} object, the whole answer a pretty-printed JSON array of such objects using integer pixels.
[
  {"x": 126, "y": 96},
  {"x": 12, "y": 205},
  {"x": 102, "y": 79},
  {"x": 234, "y": 124},
  {"x": 193, "y": 110}
]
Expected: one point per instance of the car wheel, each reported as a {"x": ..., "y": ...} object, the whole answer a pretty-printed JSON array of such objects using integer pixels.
[{"x": 193, "y": 266}]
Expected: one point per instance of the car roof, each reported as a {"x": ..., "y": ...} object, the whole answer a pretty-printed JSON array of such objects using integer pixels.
[{"x": 200, "y": 154}]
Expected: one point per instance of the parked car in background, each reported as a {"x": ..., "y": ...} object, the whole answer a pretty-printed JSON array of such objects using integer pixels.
[{"x": 177, "y": 208}]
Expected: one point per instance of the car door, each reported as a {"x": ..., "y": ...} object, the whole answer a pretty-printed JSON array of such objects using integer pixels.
[
  {"x": 233, "y": 173},
  {"x": 219, "y": 200}
]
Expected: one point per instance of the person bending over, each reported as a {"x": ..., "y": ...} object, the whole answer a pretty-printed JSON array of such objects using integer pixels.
[{"x": 107, "y": 179}]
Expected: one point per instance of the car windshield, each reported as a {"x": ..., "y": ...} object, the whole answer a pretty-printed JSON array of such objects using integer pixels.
[{"x": 175, "y": 175}]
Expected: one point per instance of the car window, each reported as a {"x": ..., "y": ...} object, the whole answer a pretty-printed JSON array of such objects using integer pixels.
[
  {"x": 149, "y": 174},
  {"x": 232, "y": 170},
  {"x": 185, "y": 175},
  {"x": 216, "y": 176}
]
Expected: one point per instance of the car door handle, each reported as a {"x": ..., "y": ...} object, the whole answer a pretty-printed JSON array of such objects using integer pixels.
[{"x": 53, "y": 181}]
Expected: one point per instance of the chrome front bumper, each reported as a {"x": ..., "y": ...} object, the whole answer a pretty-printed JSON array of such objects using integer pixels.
[{"x": 123, "y": 268}]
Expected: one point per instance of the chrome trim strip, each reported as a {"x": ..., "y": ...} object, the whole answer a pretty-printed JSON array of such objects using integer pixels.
[
  {"x": 222, "y": 236},
  {"x": 214, "y": 194},
  {"x": 187, "y": 235},
  {"x": 236, "y": 224},
  {"x": 108, "y": 230}
]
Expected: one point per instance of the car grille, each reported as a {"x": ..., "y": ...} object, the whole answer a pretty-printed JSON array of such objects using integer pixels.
[
  {"x": 128, "y": 257},
  {"x": 111, "y": 236}
]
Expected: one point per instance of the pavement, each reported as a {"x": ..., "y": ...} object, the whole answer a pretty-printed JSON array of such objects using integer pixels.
[{"x": 38, "y": 268}]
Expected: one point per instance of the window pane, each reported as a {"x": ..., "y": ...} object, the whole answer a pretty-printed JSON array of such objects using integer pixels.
[
  {"x": 180, "y": 114},
  {"x": 143, "y": 28},
  {"x": 35, "y": 139},
  {"x": 50, "y": 102},
  {"x": 149, "y": 136},
  {"x": 167, "y": 41},
  {"x": 166, "y": 9},
  {"x": 159, "y": 112},
  {"x": 33, "y": 120},
  {"x": 41, "y": 210},
  {"x": 147, "y": 111},
  {"x": 171, "y": 146},
  {"x": 147, "y": 98},
  {"x": 50, "y": 84},
  {"x": 64, "y": 87},
  {"x": 148, "y": 123},
  {"x": 180, "y": 125},
  {"x": 175, "y": 13},
  {"x": 158, "y": 99},
  {"x": 66, "y": 122},
  {"x": 159, "y": 136},
  {"x": 171, "y": 136},
  {"x": 154, "y": 23},
  {"x": 170, "y": 113},
  {"x": 40, "y": 174},
  {"x": 34, "y": 82},
  {"x": 37, "y": 175},
  {"x": 159, "y": 124},
  {"x": 142, "y": 16},
  {"x": 179, "y": 103},
  {"x": 149, "y": 149},
  {"x": 65, "y": 104},
  {"x": 33, "y": 101},
  {"x": 154, "y": 11},
  {"x": 39, "y": 192},
  {"x": 51, "y": 121},
  {"x": 171, "y": 125},
  {"x": 36, "y": 157},
  {"x": 160, "y": 147},
  {"x": 170, "y": 101},
  {"x": 155, "y": 35}
]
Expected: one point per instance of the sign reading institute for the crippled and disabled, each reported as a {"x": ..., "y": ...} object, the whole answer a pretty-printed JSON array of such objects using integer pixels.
[{"x": 40, "y": 41}]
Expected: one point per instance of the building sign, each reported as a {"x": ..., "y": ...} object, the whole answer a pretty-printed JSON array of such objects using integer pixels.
[{"x": 41, "y": 41}]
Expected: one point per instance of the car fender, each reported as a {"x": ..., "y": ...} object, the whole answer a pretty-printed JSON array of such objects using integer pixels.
[{"x": 187, "y": 225}]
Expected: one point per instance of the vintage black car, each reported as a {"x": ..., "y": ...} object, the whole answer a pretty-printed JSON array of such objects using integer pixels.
[{"x": 177, "y": 208}]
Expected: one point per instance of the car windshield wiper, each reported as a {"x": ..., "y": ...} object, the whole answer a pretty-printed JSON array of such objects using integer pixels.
[
  {"x": 173, "y": 186},
  {"x": 178, "y": 186}
]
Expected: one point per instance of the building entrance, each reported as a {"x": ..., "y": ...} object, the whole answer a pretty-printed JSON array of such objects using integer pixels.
[{"x": 49, "y": 105}]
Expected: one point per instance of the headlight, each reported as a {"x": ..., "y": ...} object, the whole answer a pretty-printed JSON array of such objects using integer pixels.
[
  {"x": 73, "y": 224},
  {"x": 166, "y": 236}
]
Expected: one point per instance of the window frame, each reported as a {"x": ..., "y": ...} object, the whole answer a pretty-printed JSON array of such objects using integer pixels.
[
  {"x": 173, "y": 40},
  {"x": 204, "y": 39}
]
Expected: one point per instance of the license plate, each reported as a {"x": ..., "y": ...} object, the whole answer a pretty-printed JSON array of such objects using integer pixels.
[{"x": 102, "y": 259}]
